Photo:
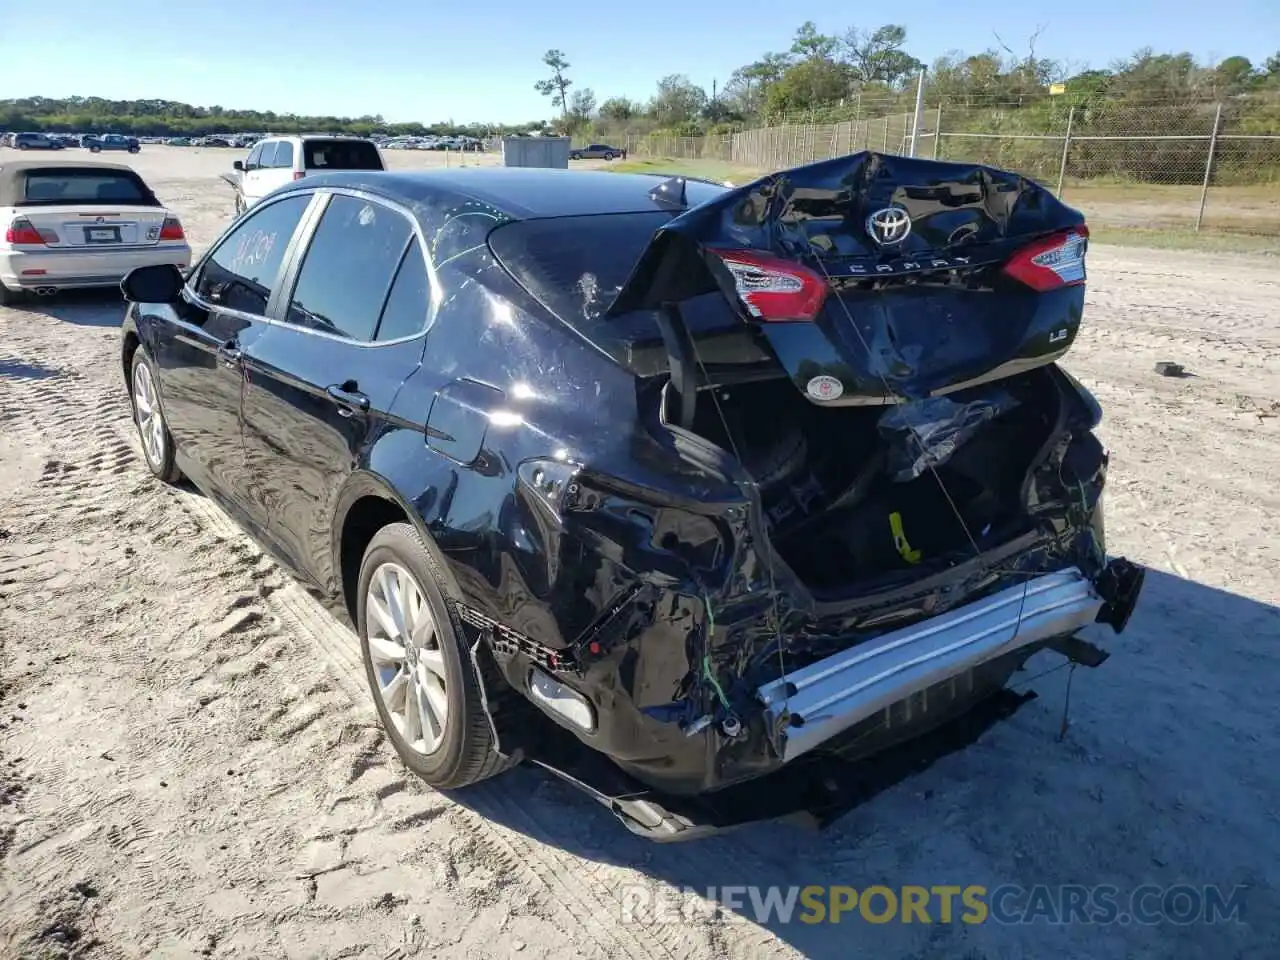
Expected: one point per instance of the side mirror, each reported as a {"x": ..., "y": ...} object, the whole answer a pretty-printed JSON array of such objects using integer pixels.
[
  {"x": 238, "y": 165},
  {"x": 159, "y": 283}
]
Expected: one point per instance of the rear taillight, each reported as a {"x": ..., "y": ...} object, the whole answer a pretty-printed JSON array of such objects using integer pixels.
[
  {"x": 299, "y": 174},
  {"x": 171, "y": 229},
  {"x": 774, "y": 289},
  {"x": 21, "y": 231},
  {"x": 1051, "y": 262}
]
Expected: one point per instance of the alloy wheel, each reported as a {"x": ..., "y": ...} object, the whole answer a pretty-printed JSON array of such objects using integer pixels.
[
  {"x": 147, "y": 409},
  {"x": 408, "y": 661}
]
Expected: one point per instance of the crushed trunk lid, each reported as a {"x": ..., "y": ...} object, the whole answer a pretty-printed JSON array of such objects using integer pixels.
[{"x": 876, "y": 279}]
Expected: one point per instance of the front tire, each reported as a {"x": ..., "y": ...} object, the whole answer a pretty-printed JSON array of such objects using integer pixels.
[
  {"x": 608, "y": 156},
  {"x": 148, "y": 416},
  {"x": 418, "y": 666},
  {"x": 239, "y": 205}
]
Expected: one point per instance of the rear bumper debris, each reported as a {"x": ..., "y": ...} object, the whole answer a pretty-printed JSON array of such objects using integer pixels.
[{"x": 810, "y": 706}]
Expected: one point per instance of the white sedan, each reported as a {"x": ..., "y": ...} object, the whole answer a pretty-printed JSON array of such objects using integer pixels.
[{"x": 74, "y": 225}]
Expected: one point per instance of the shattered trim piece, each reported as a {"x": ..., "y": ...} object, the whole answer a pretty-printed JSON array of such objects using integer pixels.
[{"x": 507, "y": 643}]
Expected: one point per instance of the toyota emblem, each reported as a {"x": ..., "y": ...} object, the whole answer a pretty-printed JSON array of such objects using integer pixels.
[{"x": 890, "y": 226}]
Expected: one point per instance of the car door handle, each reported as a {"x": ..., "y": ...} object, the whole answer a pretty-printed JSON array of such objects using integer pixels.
[
  {"x": 348, "y": 398},
  {"x": 229, "y": 353}
]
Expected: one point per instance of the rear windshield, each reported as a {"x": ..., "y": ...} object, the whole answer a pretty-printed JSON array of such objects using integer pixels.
[
  {"x": 341, "y": 155},
  {"x": 575, "y": 266},
  {"x": 69, "y": 185}
]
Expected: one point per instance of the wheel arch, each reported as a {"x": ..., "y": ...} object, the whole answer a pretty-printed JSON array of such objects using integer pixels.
[
  {"x": 130, "y": 341},
  {"x": 368, "y": 502}
]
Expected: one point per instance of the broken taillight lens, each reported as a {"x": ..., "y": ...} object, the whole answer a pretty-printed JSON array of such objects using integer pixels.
[
  {"x": 774, "y": 289},
  {"x": 1051, "y": 262}
]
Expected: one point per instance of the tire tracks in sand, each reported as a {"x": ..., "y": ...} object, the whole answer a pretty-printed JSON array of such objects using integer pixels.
[{"x": 246, "y": 661}]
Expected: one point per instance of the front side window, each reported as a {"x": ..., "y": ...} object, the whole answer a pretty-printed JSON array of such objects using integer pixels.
[
  {"x": 348, "y": 268},
  {"x": 254, "y": 154},
  {"x": 242, "y": 271}
]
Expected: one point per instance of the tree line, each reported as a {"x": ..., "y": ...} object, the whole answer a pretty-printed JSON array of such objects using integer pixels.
[
  {"x": 172, "y": 118},
  {"x": 857, "y": 74},
  {"x": 868, "y": 73}
]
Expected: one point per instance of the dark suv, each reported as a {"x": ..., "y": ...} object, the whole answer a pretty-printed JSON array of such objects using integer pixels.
[{"x": 719, "y": 484}]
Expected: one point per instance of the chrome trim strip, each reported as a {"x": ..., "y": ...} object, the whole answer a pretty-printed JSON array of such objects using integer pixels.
[{"x": 828, "y": 697}]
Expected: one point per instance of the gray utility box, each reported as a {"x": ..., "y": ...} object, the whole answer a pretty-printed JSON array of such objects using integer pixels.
[{"x": 536, "y": 152}]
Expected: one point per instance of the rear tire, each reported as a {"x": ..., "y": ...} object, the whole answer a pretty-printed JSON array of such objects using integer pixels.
[
  {"x": 95, "y": 149},
  {"x": 457, "y": 749},
  {"x": 135, "y": 149},
  {"x": 9, "y": 297}
]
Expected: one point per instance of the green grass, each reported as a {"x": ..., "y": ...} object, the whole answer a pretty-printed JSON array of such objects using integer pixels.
[
  {"x": 1208, "y": 241},
  {"x": 707, "y": 169}
]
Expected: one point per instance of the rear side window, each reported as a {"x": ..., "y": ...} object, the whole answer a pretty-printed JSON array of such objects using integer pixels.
[
  {"x": 348, "y": 268},
  {"x": 340, "y": 155},
  {"x": 406, "y": 310},
  {"x": 85, "y": 185},
  {"x": 575, "y": 266},
  {"x": 283, "y": 157}
]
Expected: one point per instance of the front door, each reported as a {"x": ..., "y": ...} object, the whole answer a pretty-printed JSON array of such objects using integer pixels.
[
  {"x": 200, "y": 366},
  {"x": 321, "y": 383}
]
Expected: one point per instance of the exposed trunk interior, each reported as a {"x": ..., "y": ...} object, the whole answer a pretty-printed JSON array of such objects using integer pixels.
[{"x": 838, "y": 516}]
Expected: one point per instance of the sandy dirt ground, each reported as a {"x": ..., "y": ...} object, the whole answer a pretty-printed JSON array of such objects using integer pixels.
[{"x": 190, "y": 763}]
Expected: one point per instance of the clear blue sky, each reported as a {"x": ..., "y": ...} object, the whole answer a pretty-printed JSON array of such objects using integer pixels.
[{"x": 435, "y": 60}]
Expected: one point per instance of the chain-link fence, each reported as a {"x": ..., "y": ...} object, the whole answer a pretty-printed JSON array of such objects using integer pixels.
[{"x": 1158, "y": 166}]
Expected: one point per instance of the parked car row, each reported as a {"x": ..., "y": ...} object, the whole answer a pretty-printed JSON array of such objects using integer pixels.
[
  {"x": 93, "y": 142},
  {"x": 429, "y": 143}
]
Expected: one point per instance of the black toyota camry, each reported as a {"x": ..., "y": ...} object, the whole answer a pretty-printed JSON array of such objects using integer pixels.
[{"x": 721, "y": 484}]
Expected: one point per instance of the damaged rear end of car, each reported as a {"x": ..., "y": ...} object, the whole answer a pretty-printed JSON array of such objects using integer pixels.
[{"x": 862, "y": 492}]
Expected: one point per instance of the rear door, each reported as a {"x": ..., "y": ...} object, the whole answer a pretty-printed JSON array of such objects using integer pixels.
[
  {"x": 252, "y": 184},
  {"x": 340, "y": 154},
  {"x": 321, "y": 383},
  {"x": 199, "y": 360},
  {"x": 282, "y": 166}
]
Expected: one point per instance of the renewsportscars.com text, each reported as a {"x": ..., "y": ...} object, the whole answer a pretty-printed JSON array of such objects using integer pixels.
[{"x": 1101, "y": 905}]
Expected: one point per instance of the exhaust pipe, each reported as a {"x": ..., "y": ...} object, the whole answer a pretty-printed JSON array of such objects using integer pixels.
[{"x": 45, "y": 291}]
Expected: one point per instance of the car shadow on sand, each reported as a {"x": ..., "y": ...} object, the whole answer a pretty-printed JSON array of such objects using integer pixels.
[
  {"x": 84, "y": 308},
  {"x": 21, "y": 370},
  {"x": 1166, "y": 774}
]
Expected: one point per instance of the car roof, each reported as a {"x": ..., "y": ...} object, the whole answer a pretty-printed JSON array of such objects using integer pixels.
[
  {"x": 12, "y": 174},
  {"x": 519, "y": 193},
  {"x": 309, "y": 136}
]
